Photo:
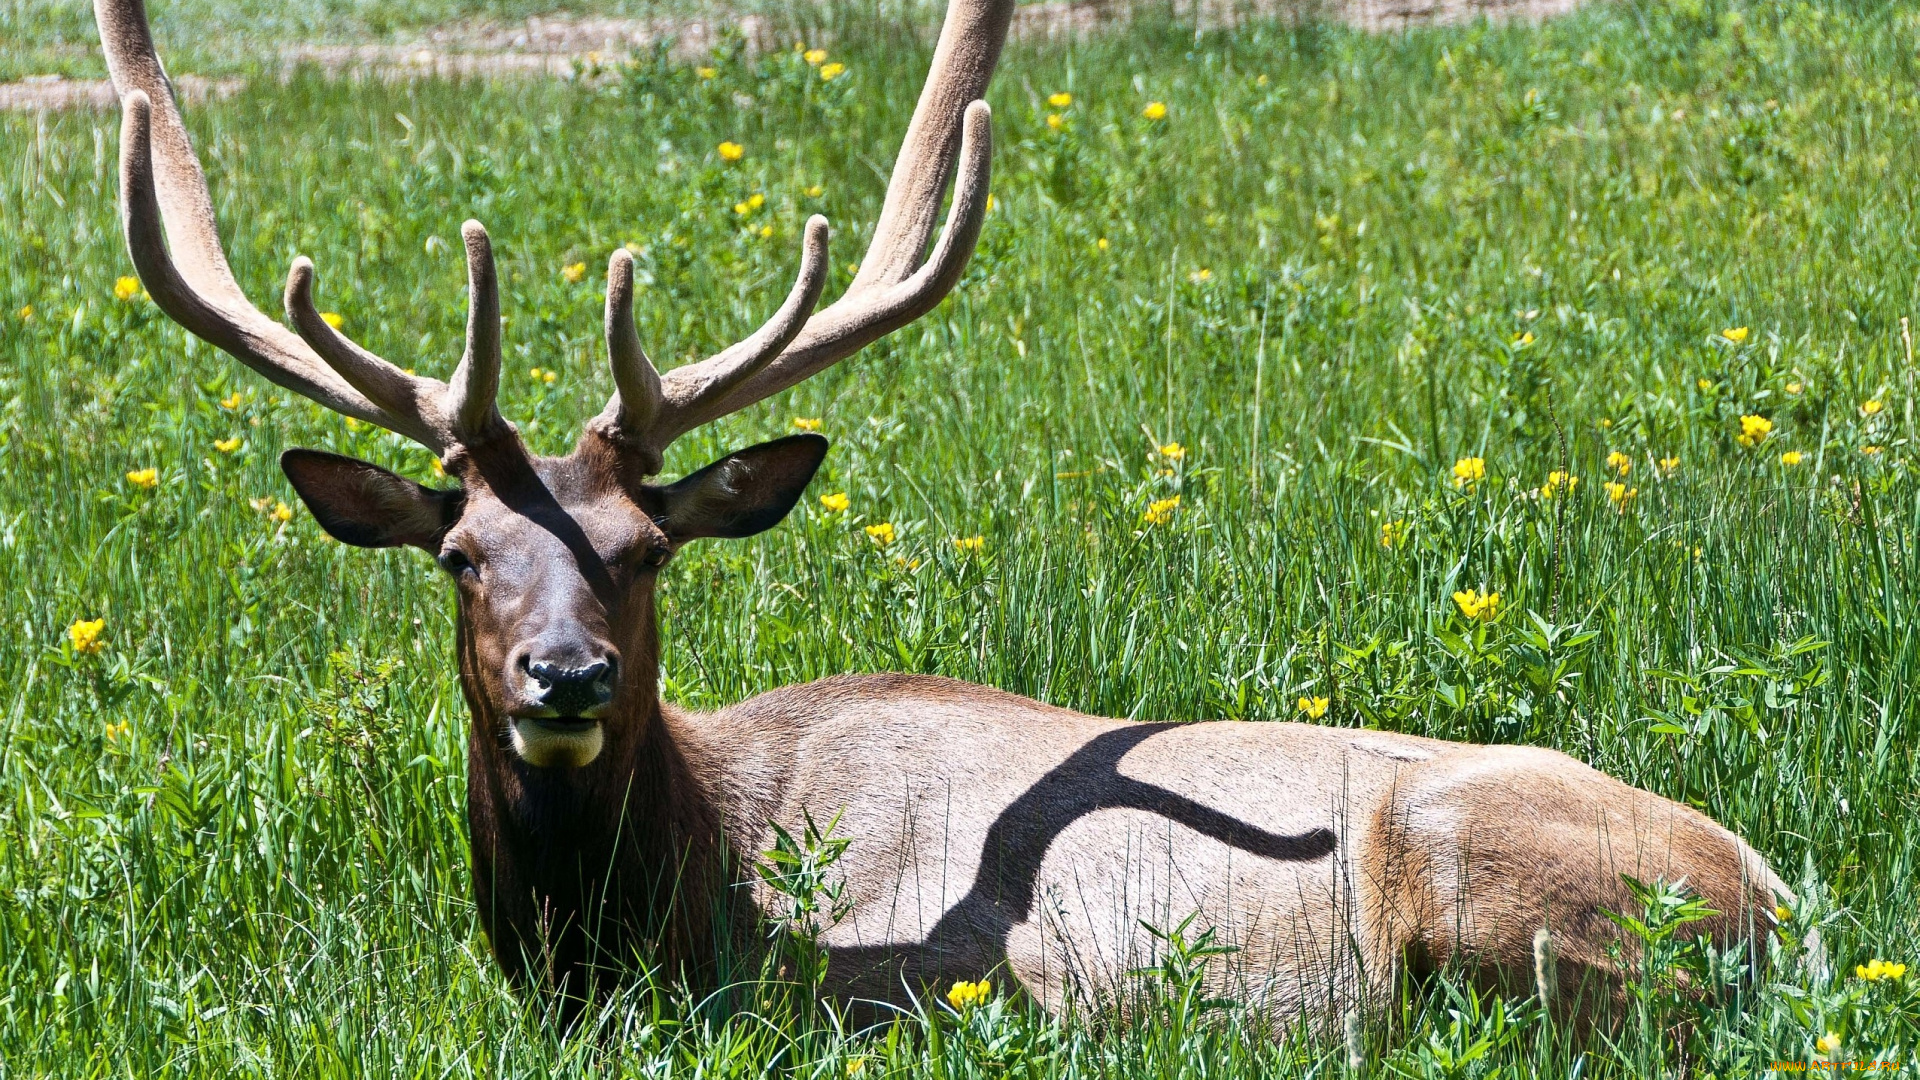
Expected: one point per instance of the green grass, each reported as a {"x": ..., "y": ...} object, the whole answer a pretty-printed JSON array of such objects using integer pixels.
[
  {"x": 1316, "y": 271},
  {"x": 246, "y": 37},
  {"x": 220, "y": 36}
]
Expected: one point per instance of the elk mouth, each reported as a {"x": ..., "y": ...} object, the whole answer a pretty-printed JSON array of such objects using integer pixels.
[
  {"x": 556, "y": 741},
  {"x": 562, "y": 724}
]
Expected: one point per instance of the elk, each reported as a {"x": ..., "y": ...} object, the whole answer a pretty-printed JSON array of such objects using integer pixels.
[{"x": 992, "y": 833}]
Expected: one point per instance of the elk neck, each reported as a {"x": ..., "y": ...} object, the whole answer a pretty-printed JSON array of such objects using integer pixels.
[{"x": 581, "y": 873}]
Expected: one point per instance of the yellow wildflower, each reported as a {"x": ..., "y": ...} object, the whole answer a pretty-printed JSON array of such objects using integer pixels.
[
  {"x": 816, "y": 57},
  {"x": 972, "y": 545},
  {"x": 1060, "y": 100},
  {"x": 281, "y": 512},
  {"x": 227, "y": 446},
  {"x": 1705, "y": 385},
  {"x": 965, "y": 995},
  {"x": 1160, "y": 511},
  {"x": 1313, "y": 707},
  {"x": 231, "y": 401},
  {"x": 143, "y": 478},
  {"x": 1791, "y": 458},
  {"x": 881, "y": 534},
  {"x": 1827, "y": 1043},
  {"x": 1478, "y": 606},
  {"x": 1521, "y": 340},
  {"x": 1469, "y": 471},
  {"x": 85, "y": 635},
  {"x": 114, "y": 731},
  {"x": 1102, "y": 244},
  {"x": 1735, "y": 334},
  {"x": 830, "y": 72},
  {"x": 1871, "y": 406},
  {"x": 434, "y": 466},
  {"x": 25, "y": 313},
  {"x": 1783, "y": 913},
  {"x": 332, "y": 318},
  {"x": 1173, "y": 451},
  {"x": 1620, "y": 495},
  {"x": 1794, "y": 388},
  {"x": 1670, "y": 464},
  {"x": 836, "y": 502},
  {"x": 1200, "y": 276},
  {"x": 1871, "y": 451},
  {"x": 1155, "y": 110},
  {"x": 1393, "y": 533},
  {"x": 573, "y": 272},
  {"x": 1875, "y": 970},
  {"x": 766, "y": 231},
  {"x": 1056, "y": 121},
  {"x": 126, "y": 288},
  {"x": 815, "y": 191},
  {"x": 706, "y": 72},
  {"x": 1558, "y": 482},
  {"x": 807, "y": 423},
  {"x": 1753, "y": 430},
  {"x": 1619, "y": 462},
  {"x": 731, "y": 151}
]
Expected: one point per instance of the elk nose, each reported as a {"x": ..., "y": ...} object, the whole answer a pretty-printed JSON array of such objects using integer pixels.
[{"x": 572, "y": 691}]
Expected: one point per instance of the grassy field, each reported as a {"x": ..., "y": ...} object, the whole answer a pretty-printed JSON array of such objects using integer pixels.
[
  {"x": 226, "y": 36},
  {"x": 232, "y": 838}
]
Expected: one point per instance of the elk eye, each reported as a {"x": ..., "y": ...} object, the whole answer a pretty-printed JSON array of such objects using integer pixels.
[
  {"x": 656, "y": 556},
  {"x": 455, "y": 562}
]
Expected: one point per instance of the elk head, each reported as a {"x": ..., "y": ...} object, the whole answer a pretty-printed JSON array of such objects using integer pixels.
[{"x": 555, "y": 559}]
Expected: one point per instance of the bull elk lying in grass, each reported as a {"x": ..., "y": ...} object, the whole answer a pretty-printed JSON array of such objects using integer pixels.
[{"x": 992, "y": 832}]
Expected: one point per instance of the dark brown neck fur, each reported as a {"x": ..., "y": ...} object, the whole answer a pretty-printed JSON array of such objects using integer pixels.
[{"x": 586, "y": 876}]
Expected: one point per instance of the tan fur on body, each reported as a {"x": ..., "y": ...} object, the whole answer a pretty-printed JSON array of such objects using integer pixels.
[{"x": 994, "y": 832}]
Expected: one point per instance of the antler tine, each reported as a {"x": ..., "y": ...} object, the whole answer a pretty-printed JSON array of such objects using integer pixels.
[
  {"x": 897, "y": 281},
  {"x": 712, "y": 378},
  {"x": 400, "y": 395},
  {"x": 175, "y": 246},
  {"x": 863, "y": 315},
  {"x": 475, "y": 386},
  {"x": 691, "y": 395},
  {"x": 643, "y": 407},
  {"x": 637, "y": 400},
  {"x": 963, "y": 63}
]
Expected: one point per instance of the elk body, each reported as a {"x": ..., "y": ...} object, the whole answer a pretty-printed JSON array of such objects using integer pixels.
[{"x": 991, "y": 832}]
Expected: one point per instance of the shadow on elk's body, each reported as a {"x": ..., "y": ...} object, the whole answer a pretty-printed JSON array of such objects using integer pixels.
[{"x": 609, "y": 829}]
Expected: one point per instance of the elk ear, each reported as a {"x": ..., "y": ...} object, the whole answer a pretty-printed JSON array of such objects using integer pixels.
[
  {"x": 746, "y": 492},
  {"x": 367, "y": 506}
]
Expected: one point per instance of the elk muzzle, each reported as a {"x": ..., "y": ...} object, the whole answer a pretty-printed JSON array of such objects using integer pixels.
[{"x": 564, "y": 695}]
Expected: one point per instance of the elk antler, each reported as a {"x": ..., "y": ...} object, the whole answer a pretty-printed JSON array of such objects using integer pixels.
[
  {"x": 168, "y": 217},
  {"x": 897, "y": 281},
  {"x": 176, "y": 250}
]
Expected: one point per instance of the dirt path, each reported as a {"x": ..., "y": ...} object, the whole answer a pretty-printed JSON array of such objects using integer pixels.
[{"x": 556, "y": 46}]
